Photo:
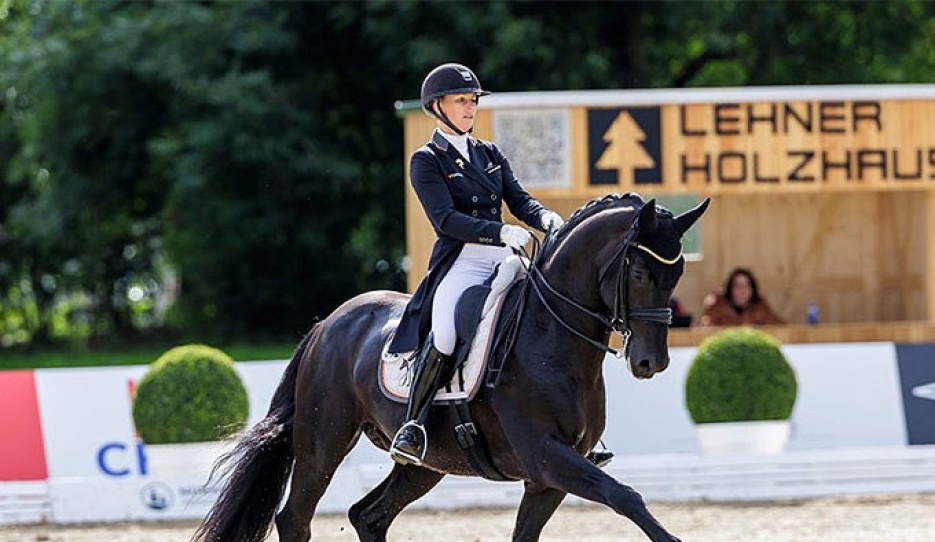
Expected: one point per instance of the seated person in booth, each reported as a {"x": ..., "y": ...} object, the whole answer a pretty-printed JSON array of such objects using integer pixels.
[{"x": 739, "y": 304}]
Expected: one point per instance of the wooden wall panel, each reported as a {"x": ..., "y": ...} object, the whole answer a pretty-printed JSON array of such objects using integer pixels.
[{"x": 860, "y": 257}]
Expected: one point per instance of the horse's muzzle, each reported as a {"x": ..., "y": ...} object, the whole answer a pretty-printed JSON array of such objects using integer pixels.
[{"x": 643, "y": 368}]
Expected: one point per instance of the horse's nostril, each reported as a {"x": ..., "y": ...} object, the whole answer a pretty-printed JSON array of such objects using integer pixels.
[{"x": 643, "y": 364}]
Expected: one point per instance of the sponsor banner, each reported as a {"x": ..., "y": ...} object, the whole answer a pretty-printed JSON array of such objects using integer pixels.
[
  {"x": 87, "y": 417},
  {"x": 917, "y": 378},
  {"x": 87, "y": 422},
  {"x": 735, "y": 147},
  {"x": 80, "y": 500},
  {"x": 22, "y": 451},
  {"x": 98, "y": 468}
]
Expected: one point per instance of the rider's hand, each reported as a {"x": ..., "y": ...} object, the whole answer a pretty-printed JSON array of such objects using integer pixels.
[
  {"x": 551, "y": 220},
  {"x": 514, "y": 236}
]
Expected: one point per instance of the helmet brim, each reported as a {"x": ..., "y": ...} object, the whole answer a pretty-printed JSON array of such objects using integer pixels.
[{"x": 466, "y": 90}]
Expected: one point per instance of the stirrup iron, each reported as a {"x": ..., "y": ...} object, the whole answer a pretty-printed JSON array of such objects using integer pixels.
[{"x": 405, "y": 458}]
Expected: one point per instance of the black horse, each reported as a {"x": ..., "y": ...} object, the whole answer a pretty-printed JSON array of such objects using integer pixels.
[{"x": 612, "y": 266}]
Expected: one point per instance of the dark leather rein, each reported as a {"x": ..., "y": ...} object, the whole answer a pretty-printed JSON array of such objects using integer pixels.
[{"x": 622, "y": 315}]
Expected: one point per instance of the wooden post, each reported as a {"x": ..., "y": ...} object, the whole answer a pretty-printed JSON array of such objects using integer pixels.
[{"x": 928, "y": 223}]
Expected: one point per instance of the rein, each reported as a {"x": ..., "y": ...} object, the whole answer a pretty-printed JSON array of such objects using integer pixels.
[{"x": 622, "y": 315}]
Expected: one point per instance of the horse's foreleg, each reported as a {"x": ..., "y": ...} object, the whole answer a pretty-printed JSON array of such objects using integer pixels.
[
  {"x": 372, "y": 515},
  {"x": 570, "y": 472},
  {"x": 537, "y": 506}
]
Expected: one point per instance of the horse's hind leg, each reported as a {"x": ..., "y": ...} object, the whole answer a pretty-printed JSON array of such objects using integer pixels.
[
  {"x": 319, "y": 449},
  {"x": 372, "y": 515},
  {"x": 537, "y": 506}
]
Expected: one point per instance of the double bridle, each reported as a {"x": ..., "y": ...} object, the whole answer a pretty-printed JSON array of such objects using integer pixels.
[{"x": 622, "y": 315}]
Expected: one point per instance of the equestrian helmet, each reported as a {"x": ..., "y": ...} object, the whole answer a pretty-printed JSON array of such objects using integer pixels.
[{"x": 449, "y": 79}]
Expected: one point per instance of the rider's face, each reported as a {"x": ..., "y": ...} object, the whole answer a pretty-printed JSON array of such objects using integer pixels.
[{"x": 460, "y": 109}]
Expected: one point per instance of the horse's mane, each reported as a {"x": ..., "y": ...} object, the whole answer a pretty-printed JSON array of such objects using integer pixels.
[
  {"x": 589, "y": 209},
  {"x": 662, "y": 240},
  {"x": 595, "y": 206}
]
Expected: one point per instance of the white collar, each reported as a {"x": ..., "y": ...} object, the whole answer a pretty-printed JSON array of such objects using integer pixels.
[{"x": 459, "y": 142}]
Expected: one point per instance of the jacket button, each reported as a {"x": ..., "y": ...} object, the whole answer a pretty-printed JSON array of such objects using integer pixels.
[
  {"x": 493, "y": 197},
  {"x": 474, "y": 212},
  {"x": 474, "y": 199},
  {"x": 493, "y": 210}
]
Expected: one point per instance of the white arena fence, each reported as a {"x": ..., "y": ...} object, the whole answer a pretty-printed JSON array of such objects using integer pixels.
[{"x": 863, "y": 424}]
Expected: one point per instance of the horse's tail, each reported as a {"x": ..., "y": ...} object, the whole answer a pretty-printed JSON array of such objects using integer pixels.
[{"x": 257, "y": 469}]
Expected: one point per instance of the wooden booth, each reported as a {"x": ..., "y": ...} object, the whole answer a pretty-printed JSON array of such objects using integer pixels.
[{"x": 826, "y": 193}]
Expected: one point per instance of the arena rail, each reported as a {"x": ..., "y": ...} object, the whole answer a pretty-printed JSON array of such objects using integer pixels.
[
  {"x": 866, "y": 332},
  {"x": 25, "y": 502}
]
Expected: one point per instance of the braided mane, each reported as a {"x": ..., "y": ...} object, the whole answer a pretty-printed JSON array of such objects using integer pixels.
[
  {"x": 590, "y": 209},
  {"x": 597, "y": 205},
  {"x": 664, "y": 240}
]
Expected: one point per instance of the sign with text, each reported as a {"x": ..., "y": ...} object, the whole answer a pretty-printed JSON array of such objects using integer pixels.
[{"x": 727, "y": 147}]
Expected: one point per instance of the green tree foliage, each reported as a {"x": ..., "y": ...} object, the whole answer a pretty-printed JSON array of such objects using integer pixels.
[{"x": 250, "y": 152}]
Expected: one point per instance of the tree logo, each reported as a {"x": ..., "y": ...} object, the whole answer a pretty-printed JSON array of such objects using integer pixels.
[{"x": 624, "y": 146}]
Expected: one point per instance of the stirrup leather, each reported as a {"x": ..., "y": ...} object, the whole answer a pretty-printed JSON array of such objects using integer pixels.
[{"x": 406, "y": 458}]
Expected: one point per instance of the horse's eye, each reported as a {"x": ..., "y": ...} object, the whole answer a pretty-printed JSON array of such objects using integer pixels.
[{"x": 639, "y": 275}]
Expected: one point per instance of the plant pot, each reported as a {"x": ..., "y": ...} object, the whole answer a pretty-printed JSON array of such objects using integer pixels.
[
  {"x": 759, "y": 437},
  {"x": 191, "y": 459}
]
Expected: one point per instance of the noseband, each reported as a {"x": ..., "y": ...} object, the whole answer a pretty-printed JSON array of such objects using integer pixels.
[{"x": 622, "y": 315}]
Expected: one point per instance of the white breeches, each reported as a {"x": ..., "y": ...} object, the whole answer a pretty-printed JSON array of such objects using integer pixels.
[{"x": 473, "y": 266}]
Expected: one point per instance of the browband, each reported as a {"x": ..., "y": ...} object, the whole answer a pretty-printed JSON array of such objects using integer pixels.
[{"x": 659, "y": 258}]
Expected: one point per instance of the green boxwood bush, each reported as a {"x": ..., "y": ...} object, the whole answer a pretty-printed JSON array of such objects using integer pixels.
[
  {"x": 740, "y": 374},
  {"x": 192, "y": 393}
]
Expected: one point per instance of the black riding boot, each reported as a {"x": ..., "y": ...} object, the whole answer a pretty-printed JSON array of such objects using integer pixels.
[
  {"x": 601, "y": 458},
  {"x": 410, "y": 444}
]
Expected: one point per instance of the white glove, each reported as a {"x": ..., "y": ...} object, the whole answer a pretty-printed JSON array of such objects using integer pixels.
[
  {"x": 514, "y": 236},
  {"x": 550, "y": 220}
]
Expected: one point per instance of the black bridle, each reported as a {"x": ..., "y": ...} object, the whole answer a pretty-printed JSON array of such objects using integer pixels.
[{"x": 622, "y": 315}]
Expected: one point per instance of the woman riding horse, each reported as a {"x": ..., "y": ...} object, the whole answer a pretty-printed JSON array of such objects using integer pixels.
[{"x": 461, "y": 182}]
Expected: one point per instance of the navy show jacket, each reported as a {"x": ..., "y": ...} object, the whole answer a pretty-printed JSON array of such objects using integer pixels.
[{"x": 463, "y": 201}]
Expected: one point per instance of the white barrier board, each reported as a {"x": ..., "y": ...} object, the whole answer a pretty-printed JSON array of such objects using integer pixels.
[{"x": 849, "y": 397}]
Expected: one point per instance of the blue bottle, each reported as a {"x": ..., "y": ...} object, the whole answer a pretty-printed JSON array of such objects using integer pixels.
[{"x": 811, "y": 314}]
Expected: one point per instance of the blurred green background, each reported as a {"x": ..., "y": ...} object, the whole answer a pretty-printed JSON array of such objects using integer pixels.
[{"x": 228, "y": 172}]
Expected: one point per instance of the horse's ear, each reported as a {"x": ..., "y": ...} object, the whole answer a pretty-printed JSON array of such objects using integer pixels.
[
  {"x": 646, "y": 219},
  {"x": 689, "y": 217}
]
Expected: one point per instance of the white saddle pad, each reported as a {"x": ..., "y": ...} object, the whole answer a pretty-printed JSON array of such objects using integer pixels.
[{"x": 396, "y": 369}]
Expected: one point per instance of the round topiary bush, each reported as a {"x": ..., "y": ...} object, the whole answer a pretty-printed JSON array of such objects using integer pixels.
[
  {"x": 740, "y": 374},
  {"x": 192, "y": 393}
]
